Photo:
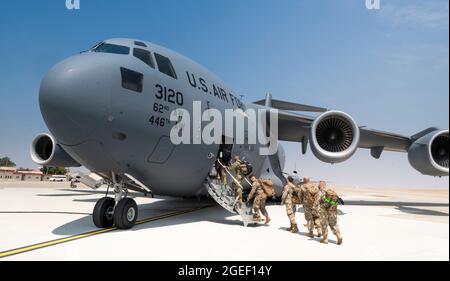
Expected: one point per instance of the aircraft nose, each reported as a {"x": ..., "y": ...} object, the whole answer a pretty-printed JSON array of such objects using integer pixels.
[{"x": 74, "y": 97}]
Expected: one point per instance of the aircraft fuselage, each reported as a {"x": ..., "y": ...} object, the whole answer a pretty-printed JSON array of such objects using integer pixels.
[{"x": 109, "y": 123}]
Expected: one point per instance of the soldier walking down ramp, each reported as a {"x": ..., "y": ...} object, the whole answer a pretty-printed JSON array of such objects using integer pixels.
[
  {"x": 328, "y": 215},
  {"x": 289, "y": 199},
  {"x": 259, "y": 204},
  {"x": 310, "y": 198}
]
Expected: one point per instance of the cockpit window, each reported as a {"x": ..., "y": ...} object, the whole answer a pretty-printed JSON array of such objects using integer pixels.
[
  {"x": 132, "y": 80},
  {"x": 165, "y": 66},
  {"x": 138, "y": 43},
  {"x": 112, "y": 49},
  {"x": 144, "y": 56}
]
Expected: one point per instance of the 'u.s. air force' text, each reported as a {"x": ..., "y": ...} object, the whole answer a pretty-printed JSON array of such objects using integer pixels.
[{"x": 201, "y": 84}]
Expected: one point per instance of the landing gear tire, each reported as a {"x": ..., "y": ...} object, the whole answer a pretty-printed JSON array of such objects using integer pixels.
[
  {"x": 125, "y": 213},
  {"x": 103, "y": 212}
]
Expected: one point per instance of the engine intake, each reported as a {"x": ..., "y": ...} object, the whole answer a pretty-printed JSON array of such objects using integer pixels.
[
  {"x": 430, "y": 154},
  {"x": 439, "y": 150},
  {"x": 334, "y": 137},
  {"x": 46, "y": 152}
]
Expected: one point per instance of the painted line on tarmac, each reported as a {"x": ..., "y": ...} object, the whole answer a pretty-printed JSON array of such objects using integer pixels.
[{"x": 55, "y": 242}]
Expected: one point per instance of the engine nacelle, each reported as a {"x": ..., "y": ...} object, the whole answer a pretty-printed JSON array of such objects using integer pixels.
[
  {"x": 334, "y": 137},
  {"x": 46, "y": 152},
  {"x": 429, "y": 154}
]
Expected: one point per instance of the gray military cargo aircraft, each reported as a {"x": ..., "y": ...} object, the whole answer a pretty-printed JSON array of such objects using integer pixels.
[{"x": 108, "y": 109}]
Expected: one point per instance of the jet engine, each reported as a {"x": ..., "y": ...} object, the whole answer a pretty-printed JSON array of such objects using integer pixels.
[
  {"x": 334, "y": 137},
  {"x": 429, "y": 154},
  {"x": 46, "y": 152}
]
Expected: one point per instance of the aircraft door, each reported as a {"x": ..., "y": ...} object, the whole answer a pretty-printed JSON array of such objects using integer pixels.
[{"x": 225, "y": 150}]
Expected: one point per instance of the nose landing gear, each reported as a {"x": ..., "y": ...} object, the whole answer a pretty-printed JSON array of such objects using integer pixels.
[
  {"x": 119, "y": 211},
  {"x": 107, "y": 213},
  {"x": 125, "y": 213},
  {"x": 104, "y": 212}
]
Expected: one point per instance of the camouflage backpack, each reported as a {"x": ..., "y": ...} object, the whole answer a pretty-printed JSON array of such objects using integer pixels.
[
  {"x": 267, "y": 186},
  {"x": 310, "y": 194},
  {"x": 245, "y": 168},
  {"x": 296, "y": 198}
]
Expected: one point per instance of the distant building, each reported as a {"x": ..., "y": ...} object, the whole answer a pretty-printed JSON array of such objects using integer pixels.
[
  {"x": 12, "y": 174},
  {"x": 8, "y": 174},
  {"x": 31, "y": 175}
]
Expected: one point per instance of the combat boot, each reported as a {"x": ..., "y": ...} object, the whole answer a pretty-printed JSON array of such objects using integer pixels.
[
  {"x": 319, "y": 233},
  {"x": 339, "y": 239},
  {"x": 257, "y": 219},
  {"x": 294, "y": 228},
  {"x": 324, "y": 240},
  {"x": 311, "y": 234},
  {"x": 290, "y": 228}
]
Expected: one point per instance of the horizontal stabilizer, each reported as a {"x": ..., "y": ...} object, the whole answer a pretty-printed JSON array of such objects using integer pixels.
[{"x": 284, "y": 105}]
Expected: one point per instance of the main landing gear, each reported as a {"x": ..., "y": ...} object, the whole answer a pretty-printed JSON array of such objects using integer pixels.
[{"x": 120, "y": 211}]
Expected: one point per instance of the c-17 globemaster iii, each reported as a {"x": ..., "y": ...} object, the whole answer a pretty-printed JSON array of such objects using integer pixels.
[{"x": 109, "y": 109}]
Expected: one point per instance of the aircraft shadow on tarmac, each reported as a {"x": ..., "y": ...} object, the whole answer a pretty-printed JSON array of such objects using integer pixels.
[
  {"x": 213, "y": 215},
  {"x": 85, "y": 224},
  {"x": 78, "y": 226}
]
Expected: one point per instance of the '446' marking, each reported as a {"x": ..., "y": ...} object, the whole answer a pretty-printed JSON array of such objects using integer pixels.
[{"x": 158, "y": 121}]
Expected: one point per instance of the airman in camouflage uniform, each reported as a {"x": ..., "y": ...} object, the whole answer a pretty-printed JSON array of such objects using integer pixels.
[
  {"x": 259, "y": 204},
  {"x": 221, "y": 173},
  {"x": 328, "y": 215},
  {"x": 310, "y": 198},
  {"x": 237, "y": 183},
  {"x": 288, "y": 199}
]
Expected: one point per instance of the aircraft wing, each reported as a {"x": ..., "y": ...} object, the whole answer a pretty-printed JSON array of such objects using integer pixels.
[
  {"x": 334, "y": 136},
  {"x": 295, "y": 127}
]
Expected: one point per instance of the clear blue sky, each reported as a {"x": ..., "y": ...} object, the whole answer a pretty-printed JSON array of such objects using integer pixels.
[{"x": 387, "y": 68}]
